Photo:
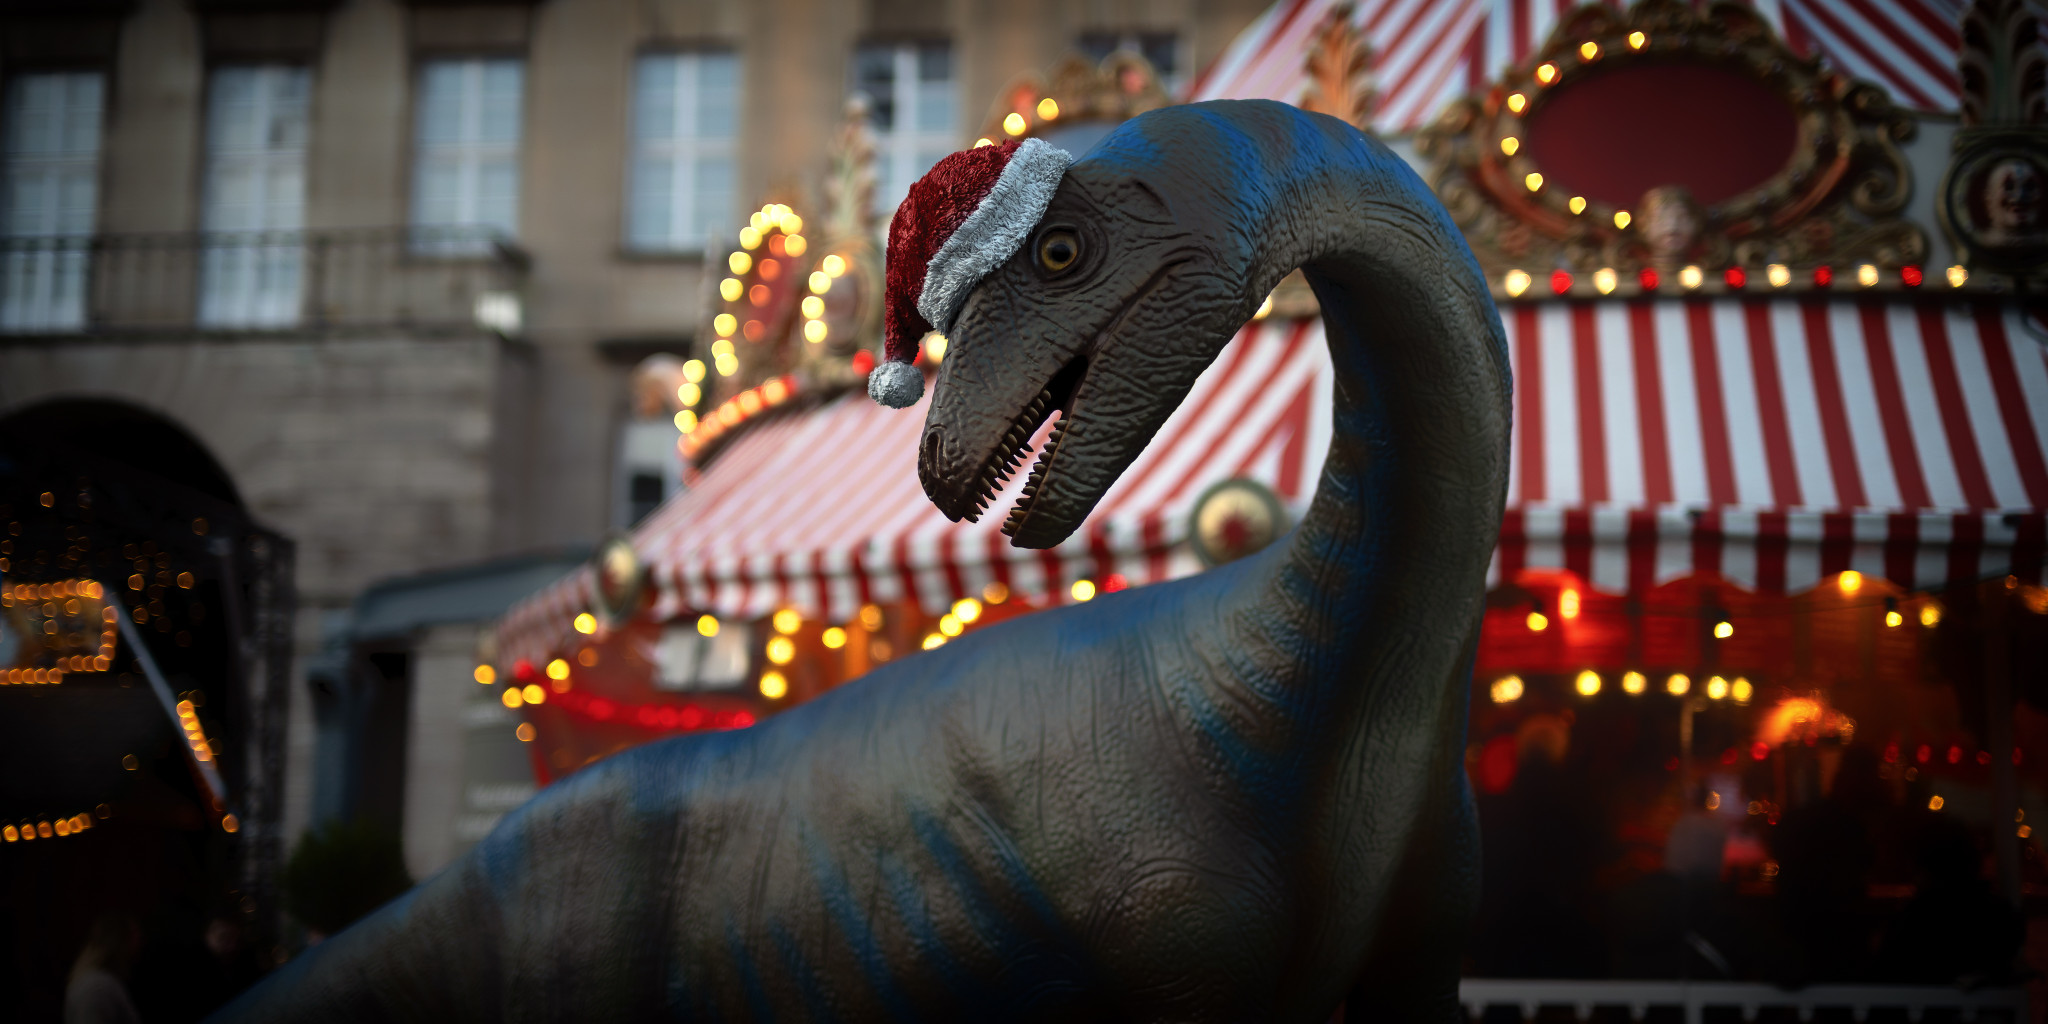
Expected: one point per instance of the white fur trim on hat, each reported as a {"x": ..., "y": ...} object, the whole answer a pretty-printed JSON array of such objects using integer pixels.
[
  {"x": 993, "y": 231},
  {"x": 896, "y": 385}
]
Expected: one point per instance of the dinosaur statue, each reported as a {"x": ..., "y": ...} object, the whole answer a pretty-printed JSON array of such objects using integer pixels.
[{"x": 1234, "y": 797}]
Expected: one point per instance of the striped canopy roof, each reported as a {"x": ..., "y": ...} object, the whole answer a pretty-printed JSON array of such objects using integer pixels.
[
  {"x": 1770, "y": 441},
  {"x": 1426, "y": 53}
]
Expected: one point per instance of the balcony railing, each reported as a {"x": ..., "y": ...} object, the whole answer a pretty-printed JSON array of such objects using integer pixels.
[
  {"x": 434, "y": 279},
  {"x": 1700, "y": 1001}
]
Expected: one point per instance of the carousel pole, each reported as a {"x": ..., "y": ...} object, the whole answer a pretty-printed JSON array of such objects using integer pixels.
[{"x": 1998, "y": 731}]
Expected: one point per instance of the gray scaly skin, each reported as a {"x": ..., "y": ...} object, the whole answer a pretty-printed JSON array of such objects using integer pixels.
[{"x": 1235, "y": 797}]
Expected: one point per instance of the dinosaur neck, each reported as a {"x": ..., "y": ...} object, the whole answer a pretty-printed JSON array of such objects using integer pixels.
[{"x": 1396, "y": 541}]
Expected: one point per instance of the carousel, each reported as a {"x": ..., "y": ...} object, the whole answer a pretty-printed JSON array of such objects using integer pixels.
[{"x": 1780, "y": 456}]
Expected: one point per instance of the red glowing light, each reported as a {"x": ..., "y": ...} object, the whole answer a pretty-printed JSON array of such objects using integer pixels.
[
  {"x": 1115, "y": 582},
  {"x": 742, "y": 719},
  {"x": 1759, "y": 750},
  {"x": 1910, "y": 275},
  {"x": 1648, "y": 278},
  {"x": 1891, "y": 753},
  {"x": 692, "y": 717},
  {"x": 1823, "y": 275},
  {"x": 1730, "y": 755},
  {"x": 863, "y": 362},
  {"x": 523, "y": 670},
  {"x": 1955, "y": 755},
  {"x": 1671, "y": 765},
  {"x": 1560, "y": 281},
  {"x": 1924, "y": 754},
  {"x": 1984, "y": 757},
  {"x": 1735, "y": 277}
]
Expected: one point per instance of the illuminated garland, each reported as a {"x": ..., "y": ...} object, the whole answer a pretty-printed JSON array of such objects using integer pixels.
[
  {"x": 47, "y": 605},
  {"x": 29, "y": 831}
]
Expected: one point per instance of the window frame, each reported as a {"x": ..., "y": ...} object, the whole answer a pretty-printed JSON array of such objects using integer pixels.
[
  {"x": 422, "y": 245},
  {"x": 683, "y": 247},
  {"x": 903, "y": 139},
  {"x": 79, "y": 253}
]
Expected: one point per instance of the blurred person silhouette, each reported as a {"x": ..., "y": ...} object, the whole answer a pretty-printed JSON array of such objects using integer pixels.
[
  {"x": 1825, "y": 852},
  {"x": 1542, "y": 844},
  {"x": 1955, "y": 930},
  {"x": 97, "y": 992}
]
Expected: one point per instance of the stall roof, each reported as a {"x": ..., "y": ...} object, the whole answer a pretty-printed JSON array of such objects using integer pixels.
[
  {"x": 1771, "y": 441},
  {"x": 1426, "y": 53}
]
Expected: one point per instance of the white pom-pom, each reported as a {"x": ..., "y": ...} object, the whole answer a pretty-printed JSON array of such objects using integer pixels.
[{"x": 896, "y": 385}]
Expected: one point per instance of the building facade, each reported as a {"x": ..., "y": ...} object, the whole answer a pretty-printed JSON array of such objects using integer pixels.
[{"x": 391, "y": 265}]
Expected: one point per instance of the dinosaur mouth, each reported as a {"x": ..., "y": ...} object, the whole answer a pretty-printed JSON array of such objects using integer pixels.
[{"x": 1057, "y": 397}]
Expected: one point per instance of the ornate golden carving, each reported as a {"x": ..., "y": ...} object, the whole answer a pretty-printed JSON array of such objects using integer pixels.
[
  {"x": 1993, "y": 202},
  {"x": 1123, "y": 86},
  {"x": 1835, "y": 202},
  {"x": 1340, "y": 83}
]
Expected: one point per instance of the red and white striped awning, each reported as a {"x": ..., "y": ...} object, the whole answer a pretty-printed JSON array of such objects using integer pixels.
[
  {"x": 822, "y": 511},
  {"x": 1771, "y": 441},
  {"x": 1426, "y": 53}
]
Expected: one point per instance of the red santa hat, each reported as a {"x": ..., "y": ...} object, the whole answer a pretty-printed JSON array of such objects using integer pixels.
[{"x": 967, "y": 215}]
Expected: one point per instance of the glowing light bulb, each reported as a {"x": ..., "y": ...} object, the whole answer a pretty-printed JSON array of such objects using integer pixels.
[
  {"x": 1849, "y": 582},
  {"x": 1589, "y": 50},
  {"x": 686, "y": 421},
  {"x": 586, "y": 623},
  {"x": 740, "y": 262},
  {"x": 1717, "y": 688},
  {"x": 774, "y": 685},
  {"x": 707, "y": 625},
  {"x": 1568, "y": 603},
  {"x": 1083, "y": 590},
  {"x": 935, "y": 640},
  {"x": 1958, "y": 276},
  {"x": 781, "y": 650},
  {"x": 1691, "y": 276},
  {"x": 725, "y": 324},
  {"x": 749, "y": 239},
  {"x": 485, "y": 674},
  {"x": 1894, "y": 619},
  {"x": 1723, "y": 630},
  {"x": 1588, "y": 683},
  {"x": 730, "y": 289},
  {"x": 1637, "y": 40},
  {"x": 833, "y": 638},
  {"x": 795, "y": 245},
  {"x": 949, "y": 624},
  {"x": 984, "y": 141},
  {"x": 833, "y": 265},
  {"x": 813, "y": 306},
  {"x": 1014, "y": 123},
  {"x": 787, "y": 620},
  {"x": 691, "y": 394},
  {"x": 1633, "y": 682},
  {"x": 820, "y": 282},
  {"x": 512, "y": 697},
  {"x": 1577, "y": 204},
  {"x": 967, "y": 609},
  {"x": 1546, "y": 73},
  {"x": 558, "y": 669},
  {"x": 533, "y": 694},
  {"x": 1048, "y": 109},
  {"x": 935, "y": 346},
  {"x": 693, "y": 370},
  {"x": 1677, "y": 683},
  {"x": 525, "y": 732},
  {"x": 1605, "y": 280},
  {"x": 1516, "y": 282},
  {"x": 1537, "y": 622},
  {"x": 1533, "y": 181},
  {"x": 1930, "y": 614},
  {"x": 1866, "y": 275},
  {"x": 1621, "y": 219},
  {"x": 1507, "y": 689},
  {"x": 1517, "y": 102},
  {"x": 1509, "y": 145},
  {"x": 1778, "y": 274},
  {"x": 1741, "y": 690}
]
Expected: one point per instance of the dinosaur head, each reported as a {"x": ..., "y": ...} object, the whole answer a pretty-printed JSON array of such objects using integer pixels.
[{"x": 1118, "y": 296}]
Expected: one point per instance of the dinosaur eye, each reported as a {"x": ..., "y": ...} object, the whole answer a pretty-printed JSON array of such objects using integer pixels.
[{"x": 1058, "y": 250}]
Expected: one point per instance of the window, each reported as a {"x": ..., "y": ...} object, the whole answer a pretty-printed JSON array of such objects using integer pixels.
[
  {"x": 914, "y": 110},
  {"x": 685, "y": 138},
  {"x": 465, "y": 188},
  {"x": 255, "y": 196},
  {"x": 51, "y": 165},
  {"x": 1161, "y": 49}
]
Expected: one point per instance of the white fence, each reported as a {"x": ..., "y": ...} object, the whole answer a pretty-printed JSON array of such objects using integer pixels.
[{"x": 1695, "y": 998}]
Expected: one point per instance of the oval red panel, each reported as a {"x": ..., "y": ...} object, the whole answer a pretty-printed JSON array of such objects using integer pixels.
[{"x": 1614, "y": 134}]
